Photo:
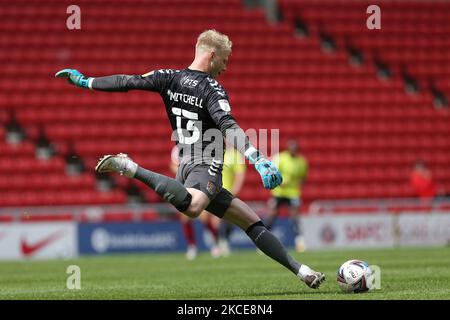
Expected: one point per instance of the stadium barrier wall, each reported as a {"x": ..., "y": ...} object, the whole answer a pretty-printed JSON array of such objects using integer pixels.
[
  {"x": 135, "y": 237},
  {"x": 362, "y": 230},
  {"x": 37, "y": 237}
]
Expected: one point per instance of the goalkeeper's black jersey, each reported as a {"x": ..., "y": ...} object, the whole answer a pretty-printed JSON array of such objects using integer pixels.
[{"x": 196, "y": 104}]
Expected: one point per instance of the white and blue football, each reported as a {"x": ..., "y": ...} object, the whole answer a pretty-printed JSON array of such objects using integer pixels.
[{"x": 355, "y": 276}]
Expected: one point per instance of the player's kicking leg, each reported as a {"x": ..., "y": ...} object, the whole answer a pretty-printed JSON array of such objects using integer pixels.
[
  {"x": 190, "y": 201},
  {"x": 244, "y": 217}
]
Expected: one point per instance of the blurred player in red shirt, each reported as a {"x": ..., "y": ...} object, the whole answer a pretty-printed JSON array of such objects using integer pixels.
[{"x": 422, "y": 181}]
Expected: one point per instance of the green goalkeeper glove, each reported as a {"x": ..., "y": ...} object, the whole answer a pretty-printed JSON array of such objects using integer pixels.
[{"x": 74, "y": 77}]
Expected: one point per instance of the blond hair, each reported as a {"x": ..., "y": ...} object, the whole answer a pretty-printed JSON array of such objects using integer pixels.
[{"x": 212, "y": 39}]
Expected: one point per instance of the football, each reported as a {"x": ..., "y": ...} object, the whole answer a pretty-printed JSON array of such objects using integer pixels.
[{"x": 355, "y": 276}]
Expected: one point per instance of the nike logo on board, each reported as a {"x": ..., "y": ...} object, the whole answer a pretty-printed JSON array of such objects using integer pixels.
[{"x": 29, "y": 249}]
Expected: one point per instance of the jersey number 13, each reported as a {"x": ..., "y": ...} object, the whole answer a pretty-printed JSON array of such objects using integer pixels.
[{"x": 190, "y": 126}]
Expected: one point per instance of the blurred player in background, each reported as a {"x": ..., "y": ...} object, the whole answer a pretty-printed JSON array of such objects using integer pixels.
[
  {"x": 233, "y": 177},
  {"x": 294, "y": 169},
  {"x": 188, "y": 225},
  {"x": 200, "y": 114},
  {"x": 422, "y": 181}
]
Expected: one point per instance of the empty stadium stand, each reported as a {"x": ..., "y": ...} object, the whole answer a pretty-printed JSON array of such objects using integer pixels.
[{"x": 360, "y": 133}]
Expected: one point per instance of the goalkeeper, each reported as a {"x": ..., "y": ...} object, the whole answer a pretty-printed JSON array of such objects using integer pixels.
[{"x": 199, "y": 112}]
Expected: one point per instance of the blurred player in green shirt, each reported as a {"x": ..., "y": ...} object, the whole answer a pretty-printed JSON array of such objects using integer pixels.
[
  {"x": 233, "y": 177},
  {"x": 294, "y": 169}
]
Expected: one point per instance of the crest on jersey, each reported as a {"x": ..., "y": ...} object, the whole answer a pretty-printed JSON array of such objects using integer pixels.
[
  {"x": 211, "y": 187},
  {"x": 224, "y": 105}
]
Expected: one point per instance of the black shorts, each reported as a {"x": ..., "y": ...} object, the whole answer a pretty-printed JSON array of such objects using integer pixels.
[
  {"x": 208, "y": 179},
  {"x": 290, "y": 202}
]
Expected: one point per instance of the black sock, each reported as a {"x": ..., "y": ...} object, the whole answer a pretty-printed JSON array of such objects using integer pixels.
[
  {"x": 271, "y": 246},
  {"x": 169, "y": 189}
]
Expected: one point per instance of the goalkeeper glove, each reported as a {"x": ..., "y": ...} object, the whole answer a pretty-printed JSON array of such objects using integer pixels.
[
  {"x": 270, "y": 174},
  {"x": 74, "y": 77}
]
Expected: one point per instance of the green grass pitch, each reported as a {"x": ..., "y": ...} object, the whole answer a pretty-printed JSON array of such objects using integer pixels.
[{"x": 407, "y": 273}]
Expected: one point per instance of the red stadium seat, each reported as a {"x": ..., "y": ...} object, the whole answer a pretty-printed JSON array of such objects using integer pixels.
[{"x": 360, "y": 135}]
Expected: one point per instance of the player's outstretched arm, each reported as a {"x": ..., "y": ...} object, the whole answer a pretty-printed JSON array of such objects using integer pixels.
[{"x": 119, "y": 82}]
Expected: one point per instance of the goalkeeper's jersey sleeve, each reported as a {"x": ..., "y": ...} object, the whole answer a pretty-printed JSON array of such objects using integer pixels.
[{"x": 151, "y": 81}]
